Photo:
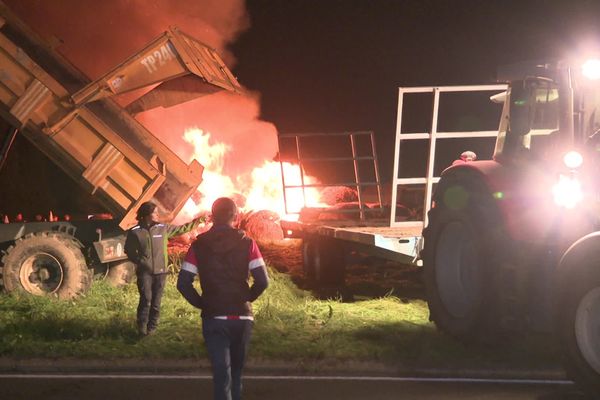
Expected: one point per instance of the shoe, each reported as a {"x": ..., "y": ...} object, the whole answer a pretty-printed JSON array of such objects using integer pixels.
[
  {"x": 142, "y": 330},
  {"x": 150, "y": 331}
]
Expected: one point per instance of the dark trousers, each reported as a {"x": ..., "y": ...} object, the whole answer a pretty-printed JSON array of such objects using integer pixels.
[
  {"x": 151, "y": 288},
  {"x": 226, "y": 342}
]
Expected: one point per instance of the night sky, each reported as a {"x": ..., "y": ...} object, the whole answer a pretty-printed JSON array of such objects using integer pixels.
[{"x": 334, "y": 65}]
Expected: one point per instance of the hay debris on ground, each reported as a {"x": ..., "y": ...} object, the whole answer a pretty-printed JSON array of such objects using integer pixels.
[{"x": 283, "y": 255}]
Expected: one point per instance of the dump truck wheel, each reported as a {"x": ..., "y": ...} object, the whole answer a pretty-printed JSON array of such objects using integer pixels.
[
  {"x": 329, "y": 262},
  {"x": 456, "y": 259},
  {"x": 46, "y": 263},
  {"x": 308, "y": 259},
  {"x": 120, "y": 273},
  {"x": 579, "y": 327}
]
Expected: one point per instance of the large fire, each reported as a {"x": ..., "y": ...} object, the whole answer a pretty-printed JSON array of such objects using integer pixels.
[
  {"x": 259, "y": 189},
  {"x": 233, "y": 162}
]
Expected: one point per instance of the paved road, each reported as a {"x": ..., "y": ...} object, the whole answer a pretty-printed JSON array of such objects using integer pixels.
[{"x": 184, "y": 387}]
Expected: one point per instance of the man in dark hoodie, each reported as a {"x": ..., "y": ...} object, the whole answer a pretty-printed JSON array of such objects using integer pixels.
[
  {"x": 146, "y": 247},
  {"x": 223, "y": 258}
]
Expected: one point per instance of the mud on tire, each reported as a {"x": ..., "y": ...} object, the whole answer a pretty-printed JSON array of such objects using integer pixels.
[{"x": 46, "y": 263}]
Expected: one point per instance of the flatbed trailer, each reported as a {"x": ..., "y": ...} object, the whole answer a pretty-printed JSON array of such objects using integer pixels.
[
  {"x": 329, "y": 235},
  {"x": 378, "y": 238}
]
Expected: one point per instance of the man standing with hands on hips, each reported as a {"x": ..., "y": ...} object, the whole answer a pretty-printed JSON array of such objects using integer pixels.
[{"x": 223, "y": 258}]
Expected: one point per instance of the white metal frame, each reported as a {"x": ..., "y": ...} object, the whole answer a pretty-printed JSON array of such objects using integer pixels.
[
  {"x": 355, "y": 158},
  {"x": 433, "y": 135}
]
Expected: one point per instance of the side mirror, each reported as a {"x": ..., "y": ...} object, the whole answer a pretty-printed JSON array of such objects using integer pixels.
[{"x": 520, "y": 108}]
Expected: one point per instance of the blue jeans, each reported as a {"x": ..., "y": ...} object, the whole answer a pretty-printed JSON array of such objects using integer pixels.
[{"x": 227, "y": 342}]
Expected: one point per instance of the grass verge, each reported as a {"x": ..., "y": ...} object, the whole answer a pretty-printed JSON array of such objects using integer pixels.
[{"x": 291, "y": 325}]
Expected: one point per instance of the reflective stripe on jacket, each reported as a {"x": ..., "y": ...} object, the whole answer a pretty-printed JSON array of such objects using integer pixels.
[{"x": 222, "y": 258}]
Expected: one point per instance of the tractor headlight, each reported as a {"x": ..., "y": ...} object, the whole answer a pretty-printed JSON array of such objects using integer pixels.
[
  {"x": 591, "y": 69},
  {"x": 573, "y": 160},
  {"x": 567, "y": 192}
]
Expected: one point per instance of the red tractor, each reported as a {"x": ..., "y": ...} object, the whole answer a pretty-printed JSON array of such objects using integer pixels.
[{"x": 514, "y": 242}]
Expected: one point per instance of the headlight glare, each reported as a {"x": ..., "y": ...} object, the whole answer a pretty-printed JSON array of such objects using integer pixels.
[
  {"x": 591, "y": 69},
  {"x": 573, "y": 160},
  {"x": 567, "y": 192}
]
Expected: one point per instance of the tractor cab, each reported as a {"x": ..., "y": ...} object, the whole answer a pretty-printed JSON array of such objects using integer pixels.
[
  {"x": 551, "y": 125},
  {"x": 551, "y": 111}
]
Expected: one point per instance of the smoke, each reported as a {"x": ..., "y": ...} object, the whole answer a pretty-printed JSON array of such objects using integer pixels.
[
  {"x": 230, "y": 119},
  {"x": 95, "y": 36}
]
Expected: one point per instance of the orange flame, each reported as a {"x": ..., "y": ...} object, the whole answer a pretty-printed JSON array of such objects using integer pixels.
[
  {"x": 262, "y": 187},
  {"x": 214, "y": 183}
]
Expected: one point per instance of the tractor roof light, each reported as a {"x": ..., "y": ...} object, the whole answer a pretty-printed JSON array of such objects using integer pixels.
[
  {"x": 573, "y": 160},
  {"x": 591, "y": 69}
]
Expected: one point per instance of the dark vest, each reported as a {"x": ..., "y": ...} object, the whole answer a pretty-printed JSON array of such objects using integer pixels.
[{"x": 222, "y": 254}]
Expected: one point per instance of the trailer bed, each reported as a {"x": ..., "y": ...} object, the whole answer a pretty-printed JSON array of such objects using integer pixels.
[{"x": 398, "y": 243}]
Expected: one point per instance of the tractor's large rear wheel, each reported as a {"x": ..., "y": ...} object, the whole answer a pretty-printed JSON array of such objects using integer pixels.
[
  {"x": 46, "y": 263},
  {"x": 579, "y": 327},
  {"x": 457, "y": 258}
]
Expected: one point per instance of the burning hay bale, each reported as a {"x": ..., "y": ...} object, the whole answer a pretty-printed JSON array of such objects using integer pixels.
[
  {"x": 340, "y": 211},
  {"x": 261, "y": 225},
  {"x": 338, "y": 194},
  {"x": 342, "y": 204}
]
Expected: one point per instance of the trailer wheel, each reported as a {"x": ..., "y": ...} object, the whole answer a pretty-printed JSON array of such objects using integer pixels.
[
  {"x": 456, "y": 258},
  {"x": 120, "y": 273},
  {"x": 308, "y": 259},
  {"x": 46, "y": 263},
  {"x": 329, "y": 262},
  {"x": 579, "y": 327}
]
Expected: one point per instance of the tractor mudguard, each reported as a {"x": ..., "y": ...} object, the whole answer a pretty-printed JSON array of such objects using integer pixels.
[
  {"x": 585, "y": 250},
  {"x": 523, "y": 194},
  {"x": 496, "y": 177}
]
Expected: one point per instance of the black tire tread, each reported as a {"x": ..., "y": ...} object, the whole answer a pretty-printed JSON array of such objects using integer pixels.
[
  {"x": 484, "y": 220},
  {"x": 64, "y": 239},
  {"x": 575, "y": 365}
]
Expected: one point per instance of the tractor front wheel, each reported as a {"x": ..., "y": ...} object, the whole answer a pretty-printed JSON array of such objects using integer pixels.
[
  {"x": 579, "y": 327},
  {"x": 455, "y": 276},
  {"x": 459, "y": 260}
]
